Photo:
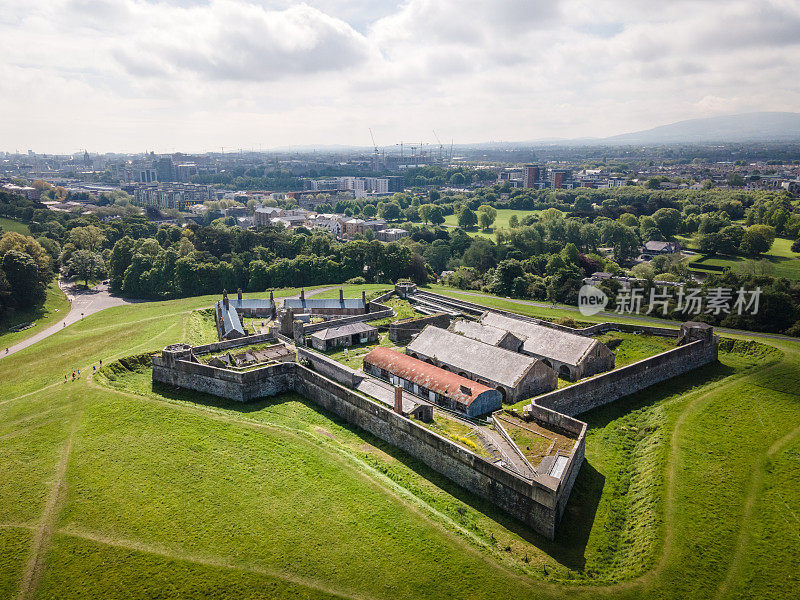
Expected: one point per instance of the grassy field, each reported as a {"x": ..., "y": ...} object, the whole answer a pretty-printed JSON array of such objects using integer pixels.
[
  {"x": 111, "y": 489},
  {"x": 55, "y": 308},
  {"x": 12, "y": 225},
  {"x": 633, "y": 347},
  {"x": 501, "y": 222},
  {"x": 784, "y": 262}
]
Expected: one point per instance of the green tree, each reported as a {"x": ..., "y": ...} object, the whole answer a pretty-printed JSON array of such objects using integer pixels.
[
  {"x": 467, "y": 218},
  {"x": 668, "y": 221},
  {"x": 22, "y": 274},
  {"x": 390, "y": 211},
  {"x": 513, "y": 221},
  {"x": 86, "y": 265},
  {"x": 425, "y": 212},
  {"x": 457, "y": 179},
  {"x": 87, "y": 238},
  {"x": 486, "y": 215},
  {"x": 757, "y": 239},
  {"x": 436, "y": 216}
]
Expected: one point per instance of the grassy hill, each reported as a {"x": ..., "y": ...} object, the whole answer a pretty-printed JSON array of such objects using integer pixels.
[{"x": 111, "y": 488}]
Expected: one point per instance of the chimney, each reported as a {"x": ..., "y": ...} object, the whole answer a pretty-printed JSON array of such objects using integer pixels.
[
  {"x": 271, "y": 297},
  {"x": 302, "y": 295},
  {"x": 341, "y": 296},
  {"x": 239, "y": 294},
  {"x": 364, "y": 300},
  {"x": 398, "y": 400}
]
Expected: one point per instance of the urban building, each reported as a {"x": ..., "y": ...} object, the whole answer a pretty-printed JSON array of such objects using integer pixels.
[
  {"x": 559, "y": 178},
  {"x": 532, "y": 176},
  {"x": 171, "y": 195},
  {"x": 655, "y": 247},
  {"x": 264, "y": 214},
  {"x": 391, "y": 235}
]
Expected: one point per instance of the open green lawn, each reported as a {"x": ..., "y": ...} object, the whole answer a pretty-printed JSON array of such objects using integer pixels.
[
  {"x": 784, "y": 262},
  {"x": 635, "y": 347},
  {"x": 114, "y": 489},
  {"x": 12, "y": 225},
  {"x": 55, "y": 308},
  {"x": 501, "y": 222}
]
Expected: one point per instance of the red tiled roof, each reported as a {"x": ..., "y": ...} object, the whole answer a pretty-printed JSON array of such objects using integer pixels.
[{"x": 442, "y": 382}]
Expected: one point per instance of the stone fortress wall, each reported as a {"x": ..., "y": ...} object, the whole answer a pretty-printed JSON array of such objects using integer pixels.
[
  {"x": 538, "y": 502},
  {"x": 613, "y": 385}
]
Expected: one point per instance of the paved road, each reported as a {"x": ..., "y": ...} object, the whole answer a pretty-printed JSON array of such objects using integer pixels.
[
  {"x": 82, "y": 303},
  {"x": 612, "y": 315}
]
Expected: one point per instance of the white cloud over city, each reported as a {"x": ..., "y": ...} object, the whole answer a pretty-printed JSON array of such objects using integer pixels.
[{"x": 167, "y": 75}]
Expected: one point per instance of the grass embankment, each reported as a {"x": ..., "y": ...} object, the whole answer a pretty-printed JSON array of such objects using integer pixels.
[
  {"x": 55, "y": 307},
  {"x": 165, "y": 494},
  {"x": 12, "y": 225}
]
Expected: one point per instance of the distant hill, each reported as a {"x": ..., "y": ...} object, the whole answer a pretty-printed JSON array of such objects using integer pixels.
[{"x": 749, "y": 127}]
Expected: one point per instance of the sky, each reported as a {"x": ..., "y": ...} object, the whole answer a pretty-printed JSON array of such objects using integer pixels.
[{"x": 201, "y": 75}]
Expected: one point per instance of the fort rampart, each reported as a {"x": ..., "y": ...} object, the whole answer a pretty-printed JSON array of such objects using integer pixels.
[
  {"x": 537, "y": 502},
  {"x": 407, "y": 328},
  {"x": 608, "y": 387}
]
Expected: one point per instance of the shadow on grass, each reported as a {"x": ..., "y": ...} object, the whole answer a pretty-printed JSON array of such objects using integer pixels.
[
  {"x": 572, "y": 535},
  {"x": 568, "y": 548},
  {"x": 600, "y": 417}
]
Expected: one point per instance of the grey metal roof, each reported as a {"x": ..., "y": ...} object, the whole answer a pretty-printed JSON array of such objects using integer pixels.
[
  {"x": 323, "y": 303},
  {"x": 568, "y": 348},
  {"x": 489, "y": 362},
  {"x": 480, "y": 332},
  {"x": 336, "y": 332},
  {"x": 230, "y": 318},
  {"x": 251, "y": 303}
]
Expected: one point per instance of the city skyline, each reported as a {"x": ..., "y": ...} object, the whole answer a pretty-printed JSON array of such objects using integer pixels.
[{"x": 200, "y": 76}]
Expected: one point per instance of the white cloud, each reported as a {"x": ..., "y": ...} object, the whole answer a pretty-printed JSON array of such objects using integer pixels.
[
  {"x": 231, "y": 40},
  {"x": 200, "y": 74}
]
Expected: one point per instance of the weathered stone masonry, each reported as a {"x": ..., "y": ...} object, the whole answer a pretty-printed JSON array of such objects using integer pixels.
[
  {"x": 611, "y": 386},
  {"x": 537, "y": 502}
]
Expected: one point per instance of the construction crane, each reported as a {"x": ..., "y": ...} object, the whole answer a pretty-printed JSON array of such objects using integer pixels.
[
  {"x": 440, "y": 145},
  {"x": 376, "y": 148}
]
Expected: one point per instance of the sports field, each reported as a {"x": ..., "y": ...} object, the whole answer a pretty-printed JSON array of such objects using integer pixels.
[{"x": 112, "y": 489}]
